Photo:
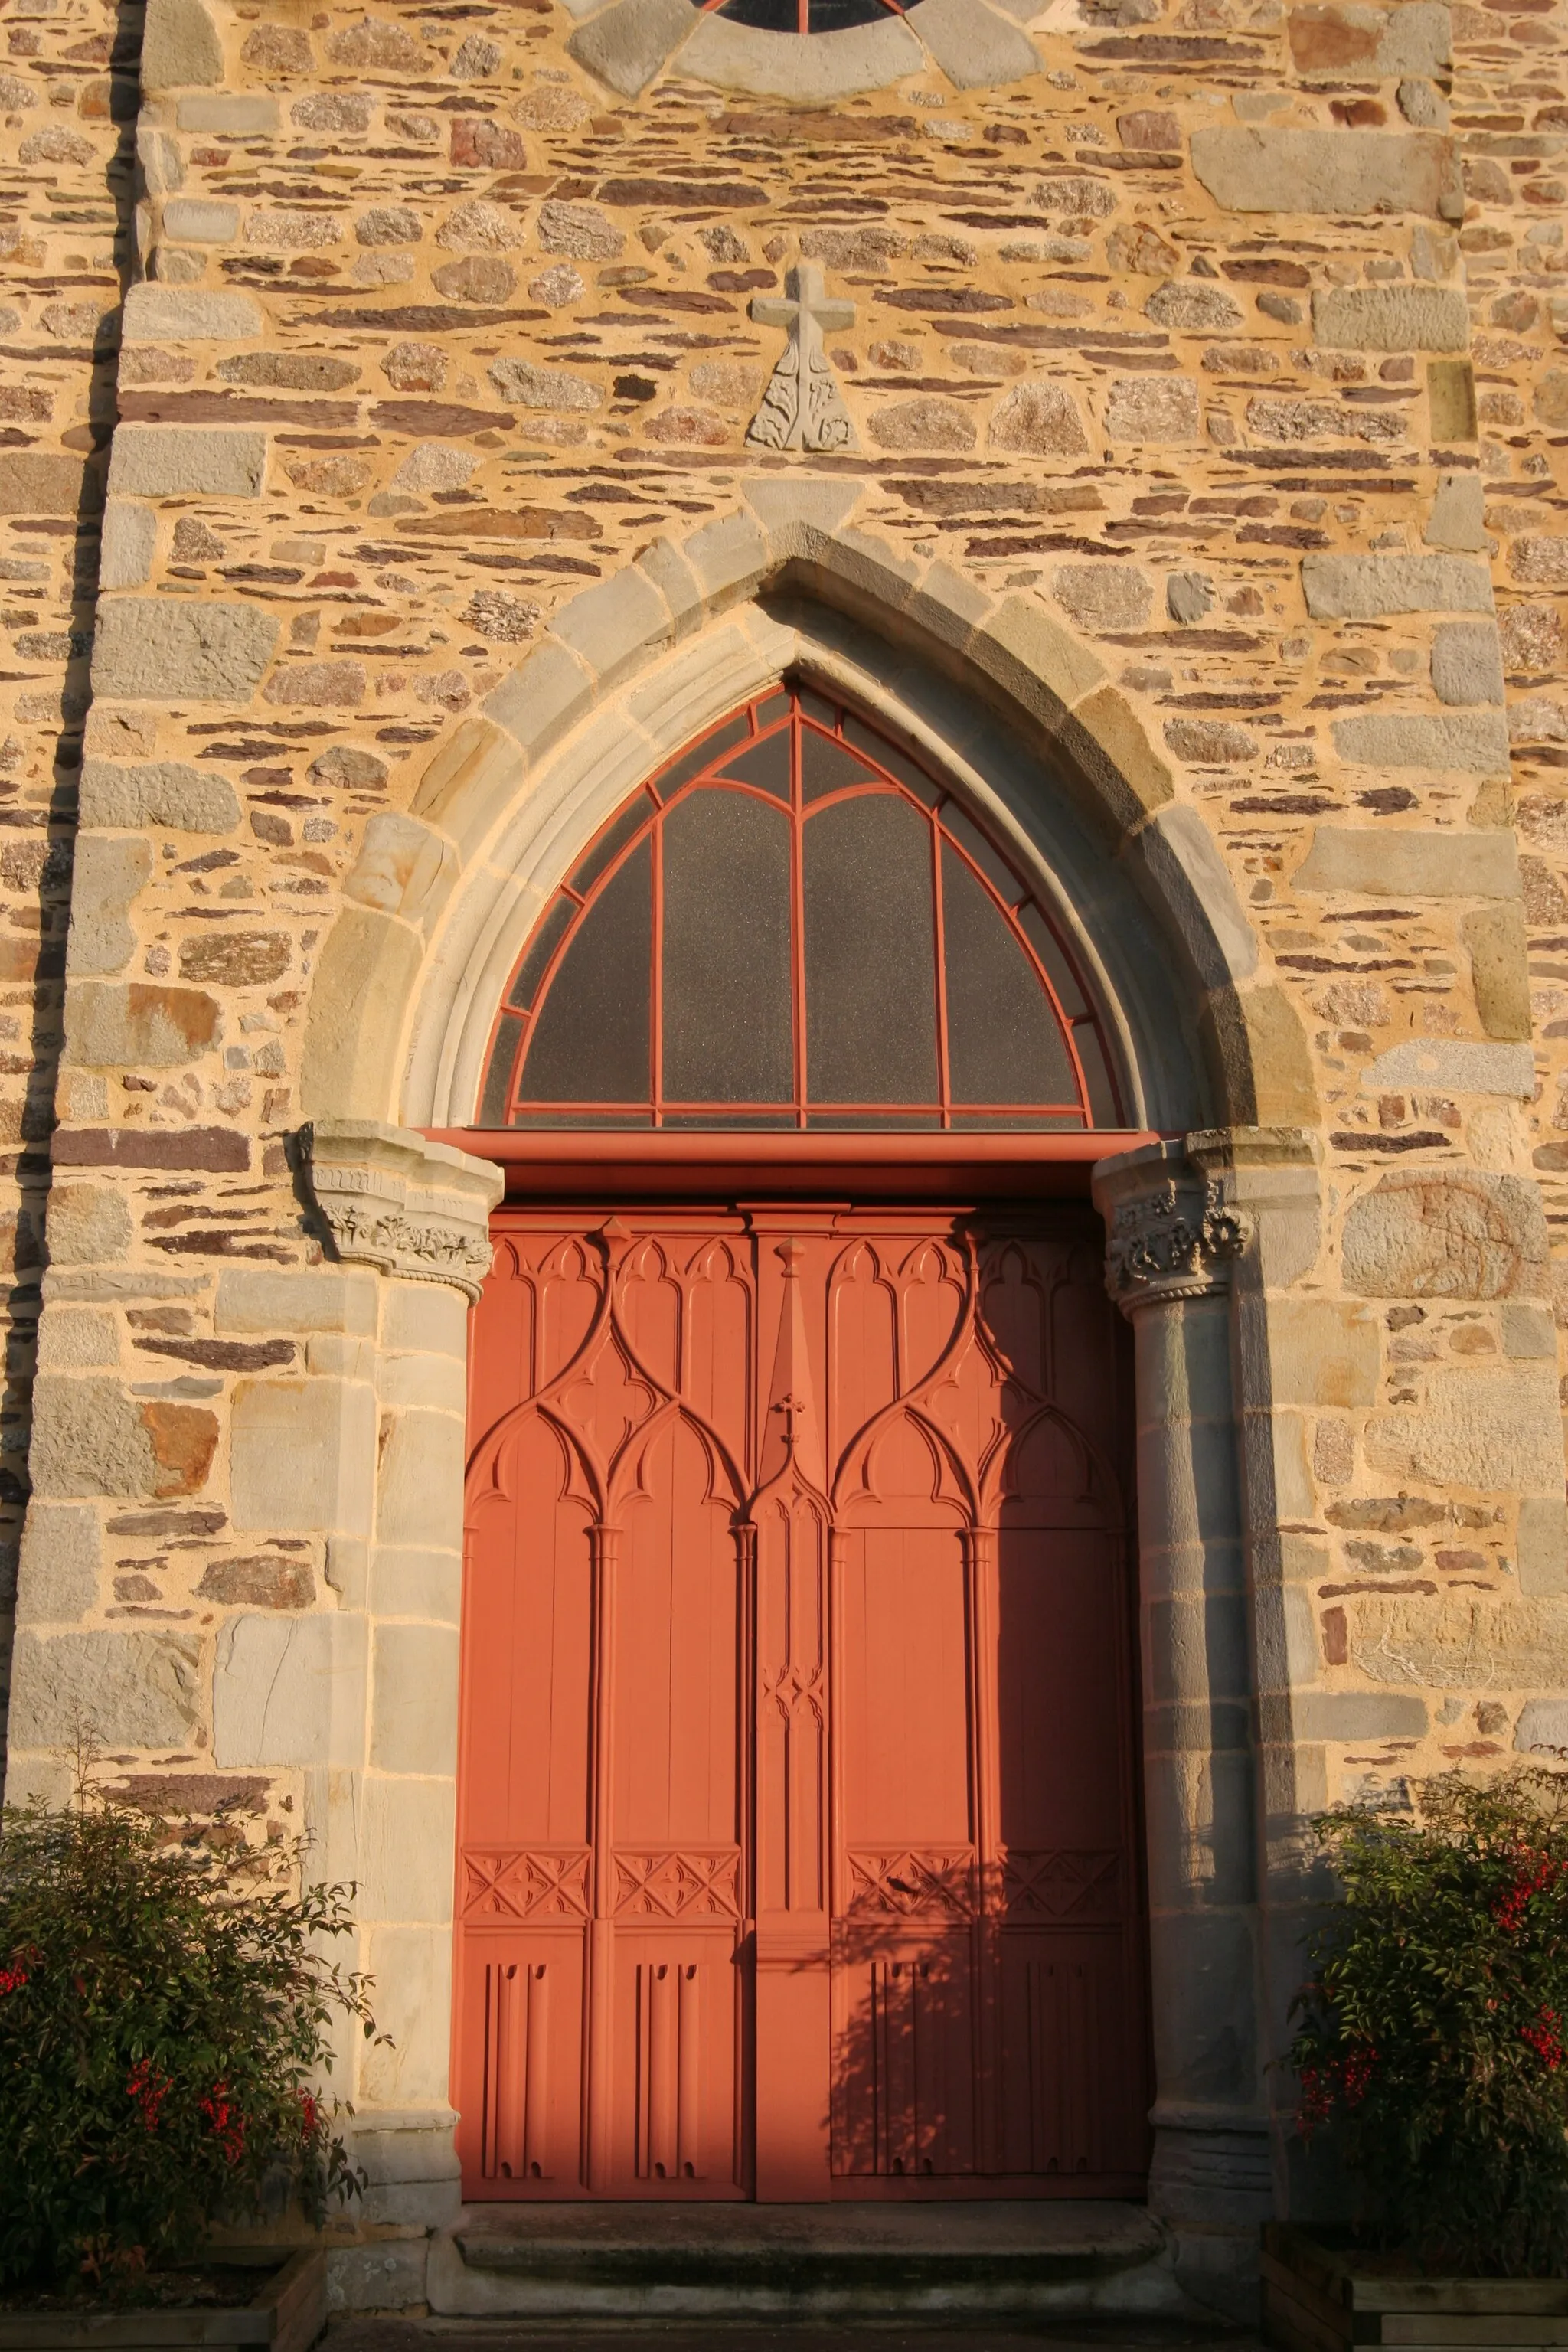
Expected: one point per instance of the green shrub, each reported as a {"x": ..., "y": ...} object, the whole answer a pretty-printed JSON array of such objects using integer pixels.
[
  {"x": 163, "y": 2023},
  {"x": 1432, "y": 2034}
]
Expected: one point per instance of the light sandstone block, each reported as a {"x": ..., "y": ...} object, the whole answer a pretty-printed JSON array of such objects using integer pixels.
[
  {"x": 1339, "y": 1716},
  {"x": 1542, "y": 1725},
  {"x": 831, "y": 66},
  {"x": 1321, "y": 1352},
  {"x": 89, "y": 1225},
  {"x": 289, "y": 1691},
  {"x": 326, "y": 1432},
  {"x": 1474, "y": 742},
  {"x": 541, "y": 697},
  {"x": 413, "y": 1699},
  {"x": 161, "y": 314},
  {"x": 110, "y": 870},
  {"x": 124, "y": 1690},
  {"x": 1453, "y": 1065},
  {"x": 77, "y": 1339},
  {"x": 1494, "y": 937},
  {"x": 115, "y": 1025},
  {"x": 147, "y": 649},
  {"x": 426, "y": 1319},
  {"x": 1410, "y": 864},
  {"x": 625, "y": 46},
  {"x": 975, "y": 49},
  {"x": 420, "y": 1494},
  {"x": 163, "y": 793},
  {"x": 406, "y": 1834},
  {"x": 1466, "y": 662},
  {"x": 1433, "y": 1233},
  {"x": 1499, "y": 1432},
  {"x": 1459, "y": 514},
  {"x": 57, "y": 1574},
  {"x": 1391, "y": 319},
  {"x": 129, "y": 535},
  {"x": 1366, "y": 587},
  {"x": 1338, "y": 172},
  {"x": 407, "y": 1582},
  {"x": 435, "y": 1383},
  {"x": 614, "y": 624},
  {"x": 180, "y": 46},
  {"x": 232, "y": 114},
  {"x": 201, "y": 220},
  {"x": 1186, "y": 872},
  {"x": 413, "y": 1969}
]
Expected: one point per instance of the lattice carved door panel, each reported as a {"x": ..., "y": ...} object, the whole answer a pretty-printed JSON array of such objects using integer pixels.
[{"x": 796, "y": 1831}]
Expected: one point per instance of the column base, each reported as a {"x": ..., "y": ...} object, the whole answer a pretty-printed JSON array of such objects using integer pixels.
[
  {"x": 415, "y": 2176},
  {"x": 1212, "y": 2184}
]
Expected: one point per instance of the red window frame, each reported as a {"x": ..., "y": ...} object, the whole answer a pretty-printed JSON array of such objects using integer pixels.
[{"x": 802, "y": 710}]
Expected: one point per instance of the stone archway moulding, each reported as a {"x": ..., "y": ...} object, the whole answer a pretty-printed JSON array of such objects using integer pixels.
[{"x": 442, "y": 894}]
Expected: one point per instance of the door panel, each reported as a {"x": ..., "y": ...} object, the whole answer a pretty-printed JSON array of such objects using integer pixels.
[{"x": 797, "y": 1850}]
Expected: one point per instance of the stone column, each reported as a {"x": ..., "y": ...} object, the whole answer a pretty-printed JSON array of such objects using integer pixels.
[
  {"x": 362, "y": 1699},
  {"x": 1171, "y": 1246}
]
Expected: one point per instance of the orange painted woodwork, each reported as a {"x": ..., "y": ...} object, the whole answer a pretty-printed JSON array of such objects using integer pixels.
[{"x": 798, "y": 1841}]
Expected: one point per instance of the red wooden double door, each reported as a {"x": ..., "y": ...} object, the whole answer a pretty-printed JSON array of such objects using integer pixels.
[{"x": 796, "y": 1844}]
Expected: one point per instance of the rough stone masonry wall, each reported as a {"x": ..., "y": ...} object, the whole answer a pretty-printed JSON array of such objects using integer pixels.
[{"x": 438, "y": 332}]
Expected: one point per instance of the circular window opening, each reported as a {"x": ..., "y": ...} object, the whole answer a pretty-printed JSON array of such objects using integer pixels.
[{"x": 803, "y": 16}]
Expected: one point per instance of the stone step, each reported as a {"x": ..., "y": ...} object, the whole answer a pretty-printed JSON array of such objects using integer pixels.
[{"x": 935, "y": 2263}]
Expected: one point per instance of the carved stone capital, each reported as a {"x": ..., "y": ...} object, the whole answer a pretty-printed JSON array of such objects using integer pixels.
[
  {"x": 389, "y": 1200},
  {"x": 1170, "y": 1232}
]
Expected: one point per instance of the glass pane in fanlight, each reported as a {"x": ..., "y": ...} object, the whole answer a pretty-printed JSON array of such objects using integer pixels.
[
  {"x": 764, "y": 764},
  {"x": 1004, "y": 1044},
  {"x": 828, "y": 766},
  {"x": 590, "y": 1042},
  {"x": 870, "y": 953},
  {"x": 728, "y": 1030}
]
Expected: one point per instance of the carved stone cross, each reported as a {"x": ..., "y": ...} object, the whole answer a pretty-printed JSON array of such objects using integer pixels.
[{"x": 800, "y": 407}]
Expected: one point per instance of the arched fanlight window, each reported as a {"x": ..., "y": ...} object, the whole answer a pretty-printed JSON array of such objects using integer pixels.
[{"x": 793, "y": 925}]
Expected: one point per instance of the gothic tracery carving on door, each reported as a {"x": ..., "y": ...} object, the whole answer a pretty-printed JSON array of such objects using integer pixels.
[{"x": 796, "y": 1837}]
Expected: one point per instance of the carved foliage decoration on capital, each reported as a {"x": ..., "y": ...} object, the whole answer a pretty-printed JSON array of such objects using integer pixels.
[
  {"x": 1170, "y": 1244},
  {"x": 384, "y": 1206}
]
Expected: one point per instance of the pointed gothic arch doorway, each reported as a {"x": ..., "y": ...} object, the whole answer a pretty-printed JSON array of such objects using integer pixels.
[{"x": 798, "y": 1850}]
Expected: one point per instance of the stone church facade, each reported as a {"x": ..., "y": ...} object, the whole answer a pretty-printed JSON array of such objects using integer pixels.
[{"x": 418, "y": 428}]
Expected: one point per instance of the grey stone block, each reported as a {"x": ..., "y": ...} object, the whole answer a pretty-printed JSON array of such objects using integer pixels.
[
  {"x": 1359, "y": 1714},
  {"x": 237, "y": 114},
  {"x": 975, "y": 49},
  {"x": 87, "y": 1224},
  {"x": 1475, "y": 743},
  {"x": 1409, "y": 863},
  {"x": 201, "y": 220},
  {"x": 1459, "y": 514},
  {"x": 1466, "y": 662},
  {"x": 1188, "y": 303},
  {"x": 147, "y": 649},
  {"x": 628, "y": 44},
  {"x": 129, "y": 1690},
  {"x": 56, "y": 1577},
  {"x": 1366, "y": 587},
  {"x": 1337, "y": 171},
  {"x": 125, "y": 550},
  {"x": 160, "y": 461},
  {"x": 158, "y": 314},
  {"x": 110, "y": 868},
  {"x": 1391, "y": 319},
  {"x": 180, "y": 46},
  {"x": 164, "y": 792}
]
